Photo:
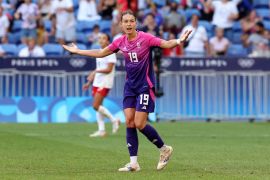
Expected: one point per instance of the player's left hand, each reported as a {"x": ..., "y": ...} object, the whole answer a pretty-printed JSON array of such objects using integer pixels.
[{"x": 185, "y": 36}]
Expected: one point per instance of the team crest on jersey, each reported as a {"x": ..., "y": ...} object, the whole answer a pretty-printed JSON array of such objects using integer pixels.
[{"x": 138, "y": 44}]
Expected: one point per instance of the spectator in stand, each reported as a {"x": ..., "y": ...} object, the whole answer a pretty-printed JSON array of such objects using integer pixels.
[
  {"x": 219, "y": 44},
  {"x": 29, "y": 13},
  {"x": 88, "y": 11},
  {"x": 42, "y": 34},
  {"x": 173, "y": 52},
  {"x": 45, "y": 7},
  {"x": 174, "y": 22},
  {"x": 94, "y": 35},
  {"x": 225, "y": 13},
  {"x": 7, "y": 6},
  {"x": 158, "y": 16},
  {"x": 115, "y": 28},
  {"x": 248, "y": 24},
  {"x": 4, "y": 25},
  {"x": 65, "y": 20},
  {"x": 32, "y": 50},
  {"x": 197, "y": 45},
  {"x": 2, "y": 52},
  {"x": 259, "y": 41},
  {"x": 105, "y": 8},
  {"x": 150, "y": 26}
]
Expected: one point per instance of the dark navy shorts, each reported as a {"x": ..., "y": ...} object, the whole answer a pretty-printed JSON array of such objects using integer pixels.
[{"x": 143, "y": 101}]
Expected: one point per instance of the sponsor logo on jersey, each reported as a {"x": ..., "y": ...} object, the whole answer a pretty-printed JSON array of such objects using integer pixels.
[
  {"x": 144, "y": 107},
  {"x": 138, "y": 44}
]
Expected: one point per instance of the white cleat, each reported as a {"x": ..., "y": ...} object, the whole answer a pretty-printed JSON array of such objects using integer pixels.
[
  {"x": 116, "y": 125},
  {"x": 130, "y": 168},
  {"x": 165, "y": 155},
  {"x": 98, "y": 134}
]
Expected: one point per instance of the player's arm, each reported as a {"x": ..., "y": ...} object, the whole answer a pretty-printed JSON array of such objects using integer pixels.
[
  {"x": 175, "y": 42},
  {"x": 97, "y": 53},
  {"x": 90, "y": 79},
  {"x": 106, "y": 70}
]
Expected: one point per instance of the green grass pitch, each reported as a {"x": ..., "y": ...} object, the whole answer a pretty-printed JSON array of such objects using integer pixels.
[{"x": 226, "y": 150}]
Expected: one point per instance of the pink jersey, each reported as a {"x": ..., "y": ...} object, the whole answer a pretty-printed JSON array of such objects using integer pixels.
[{"x": 138, "y": 60}]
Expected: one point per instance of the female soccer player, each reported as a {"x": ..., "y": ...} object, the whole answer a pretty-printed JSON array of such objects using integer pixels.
[
  {"x": 139, "y": 87},
  {"x": 103, "y": 78}
]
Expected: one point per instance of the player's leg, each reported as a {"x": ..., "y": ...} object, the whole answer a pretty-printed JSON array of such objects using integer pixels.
[
  {"x": 129, "y": 104},
  {"x": 146, "y": 104},
  {"x": 100, "y": 94},
  {"x": 98, "y": 99}
]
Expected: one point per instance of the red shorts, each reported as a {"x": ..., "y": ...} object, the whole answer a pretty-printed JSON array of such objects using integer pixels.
[{"x": 103, "y": 91}]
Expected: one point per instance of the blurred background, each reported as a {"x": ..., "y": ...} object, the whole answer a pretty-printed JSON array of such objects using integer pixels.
[{"x": 222, "y": 73}]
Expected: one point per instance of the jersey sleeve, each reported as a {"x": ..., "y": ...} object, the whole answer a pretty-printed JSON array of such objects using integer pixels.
[
  {"x": 153, "y": 40},
  {"x": 114, "y": 46}
]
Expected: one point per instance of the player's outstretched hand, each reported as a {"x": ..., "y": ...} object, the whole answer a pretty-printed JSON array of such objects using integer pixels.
[
  {"x": 73, "y": 48},
  {"x": 185, "y": 36}
]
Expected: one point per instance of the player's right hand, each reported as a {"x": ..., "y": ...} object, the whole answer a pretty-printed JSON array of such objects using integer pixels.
[
  {"x": 73, "y": 48},
  {"x": 86, "y": 86}
]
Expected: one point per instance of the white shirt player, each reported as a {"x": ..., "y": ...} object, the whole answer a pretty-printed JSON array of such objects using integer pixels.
[{"x": 101, "y": 79}]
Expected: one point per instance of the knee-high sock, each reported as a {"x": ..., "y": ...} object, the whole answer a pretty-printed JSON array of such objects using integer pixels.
[
  {"x": 100, "y": 121},
  {"x": 132, "y": 141},
  {"x": 152, "y": 135},
  {"x": 104, "y": 111}
]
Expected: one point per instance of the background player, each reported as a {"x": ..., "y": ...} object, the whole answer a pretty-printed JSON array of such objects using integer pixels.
[
  {"x": 139, "y": 87},
  {"x": 102, "y": 79}
]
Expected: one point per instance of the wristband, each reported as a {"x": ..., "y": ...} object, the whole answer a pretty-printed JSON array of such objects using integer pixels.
[{"x": 178, "y": 41}]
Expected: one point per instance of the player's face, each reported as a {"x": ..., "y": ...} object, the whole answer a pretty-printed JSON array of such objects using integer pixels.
[
  {"x": 128, "y": 24},
  {"x": 103, "y": 40}
]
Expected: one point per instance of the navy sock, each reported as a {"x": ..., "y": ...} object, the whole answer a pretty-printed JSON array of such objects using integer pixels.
[
  {"x": 132, "y": 141},
  {"x": 152, "y": 135}
]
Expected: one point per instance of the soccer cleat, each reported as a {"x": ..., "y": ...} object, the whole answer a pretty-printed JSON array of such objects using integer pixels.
[
  {"x": 116, "y": 125},
  {"x": 98, "y": 134},
  {"x": 130, "y": 168},
  {"x": 165, "y": 155}
]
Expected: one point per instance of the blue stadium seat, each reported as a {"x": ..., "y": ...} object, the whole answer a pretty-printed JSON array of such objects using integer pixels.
[
  {"x": 261, "y": 4},
  {"x": 53, "y": 49},
  {"x": 160, "y": 3},
  {"x": 206, "y": 24},
  {"x": 264, "y": 13},
  {"x": 85, "y": 26},
  {"x": 266, "y": 25},
  {"x": 190, "y": 12},
  {"x": 81, "y": 46},
  {"x": 20, "y": 47},
  {"x": 81, "y": 38},
  {"x": 47, "y": 25},
  {"x": 95, "y": 46},
  {"x": 10, "y": 49},
  {"x": 14, "y": 38},
  {"x": 17, "y": 26},
  {"x": 75, "y": 4},
  {"x": 237, "y": 50},
  {"x": 236, "y": 37},
  {"x": 105, "y": 25},
  {"x": 237, "y": 27}
]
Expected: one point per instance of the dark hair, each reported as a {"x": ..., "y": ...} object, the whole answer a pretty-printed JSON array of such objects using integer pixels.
[
  {"x": 128, "y": 12},
  {"x": 260, "y": 24},
  {"x": 108, "y": 36}
]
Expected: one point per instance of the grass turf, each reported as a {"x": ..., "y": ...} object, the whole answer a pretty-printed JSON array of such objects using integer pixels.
[{"x": 226, "y": 150}]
